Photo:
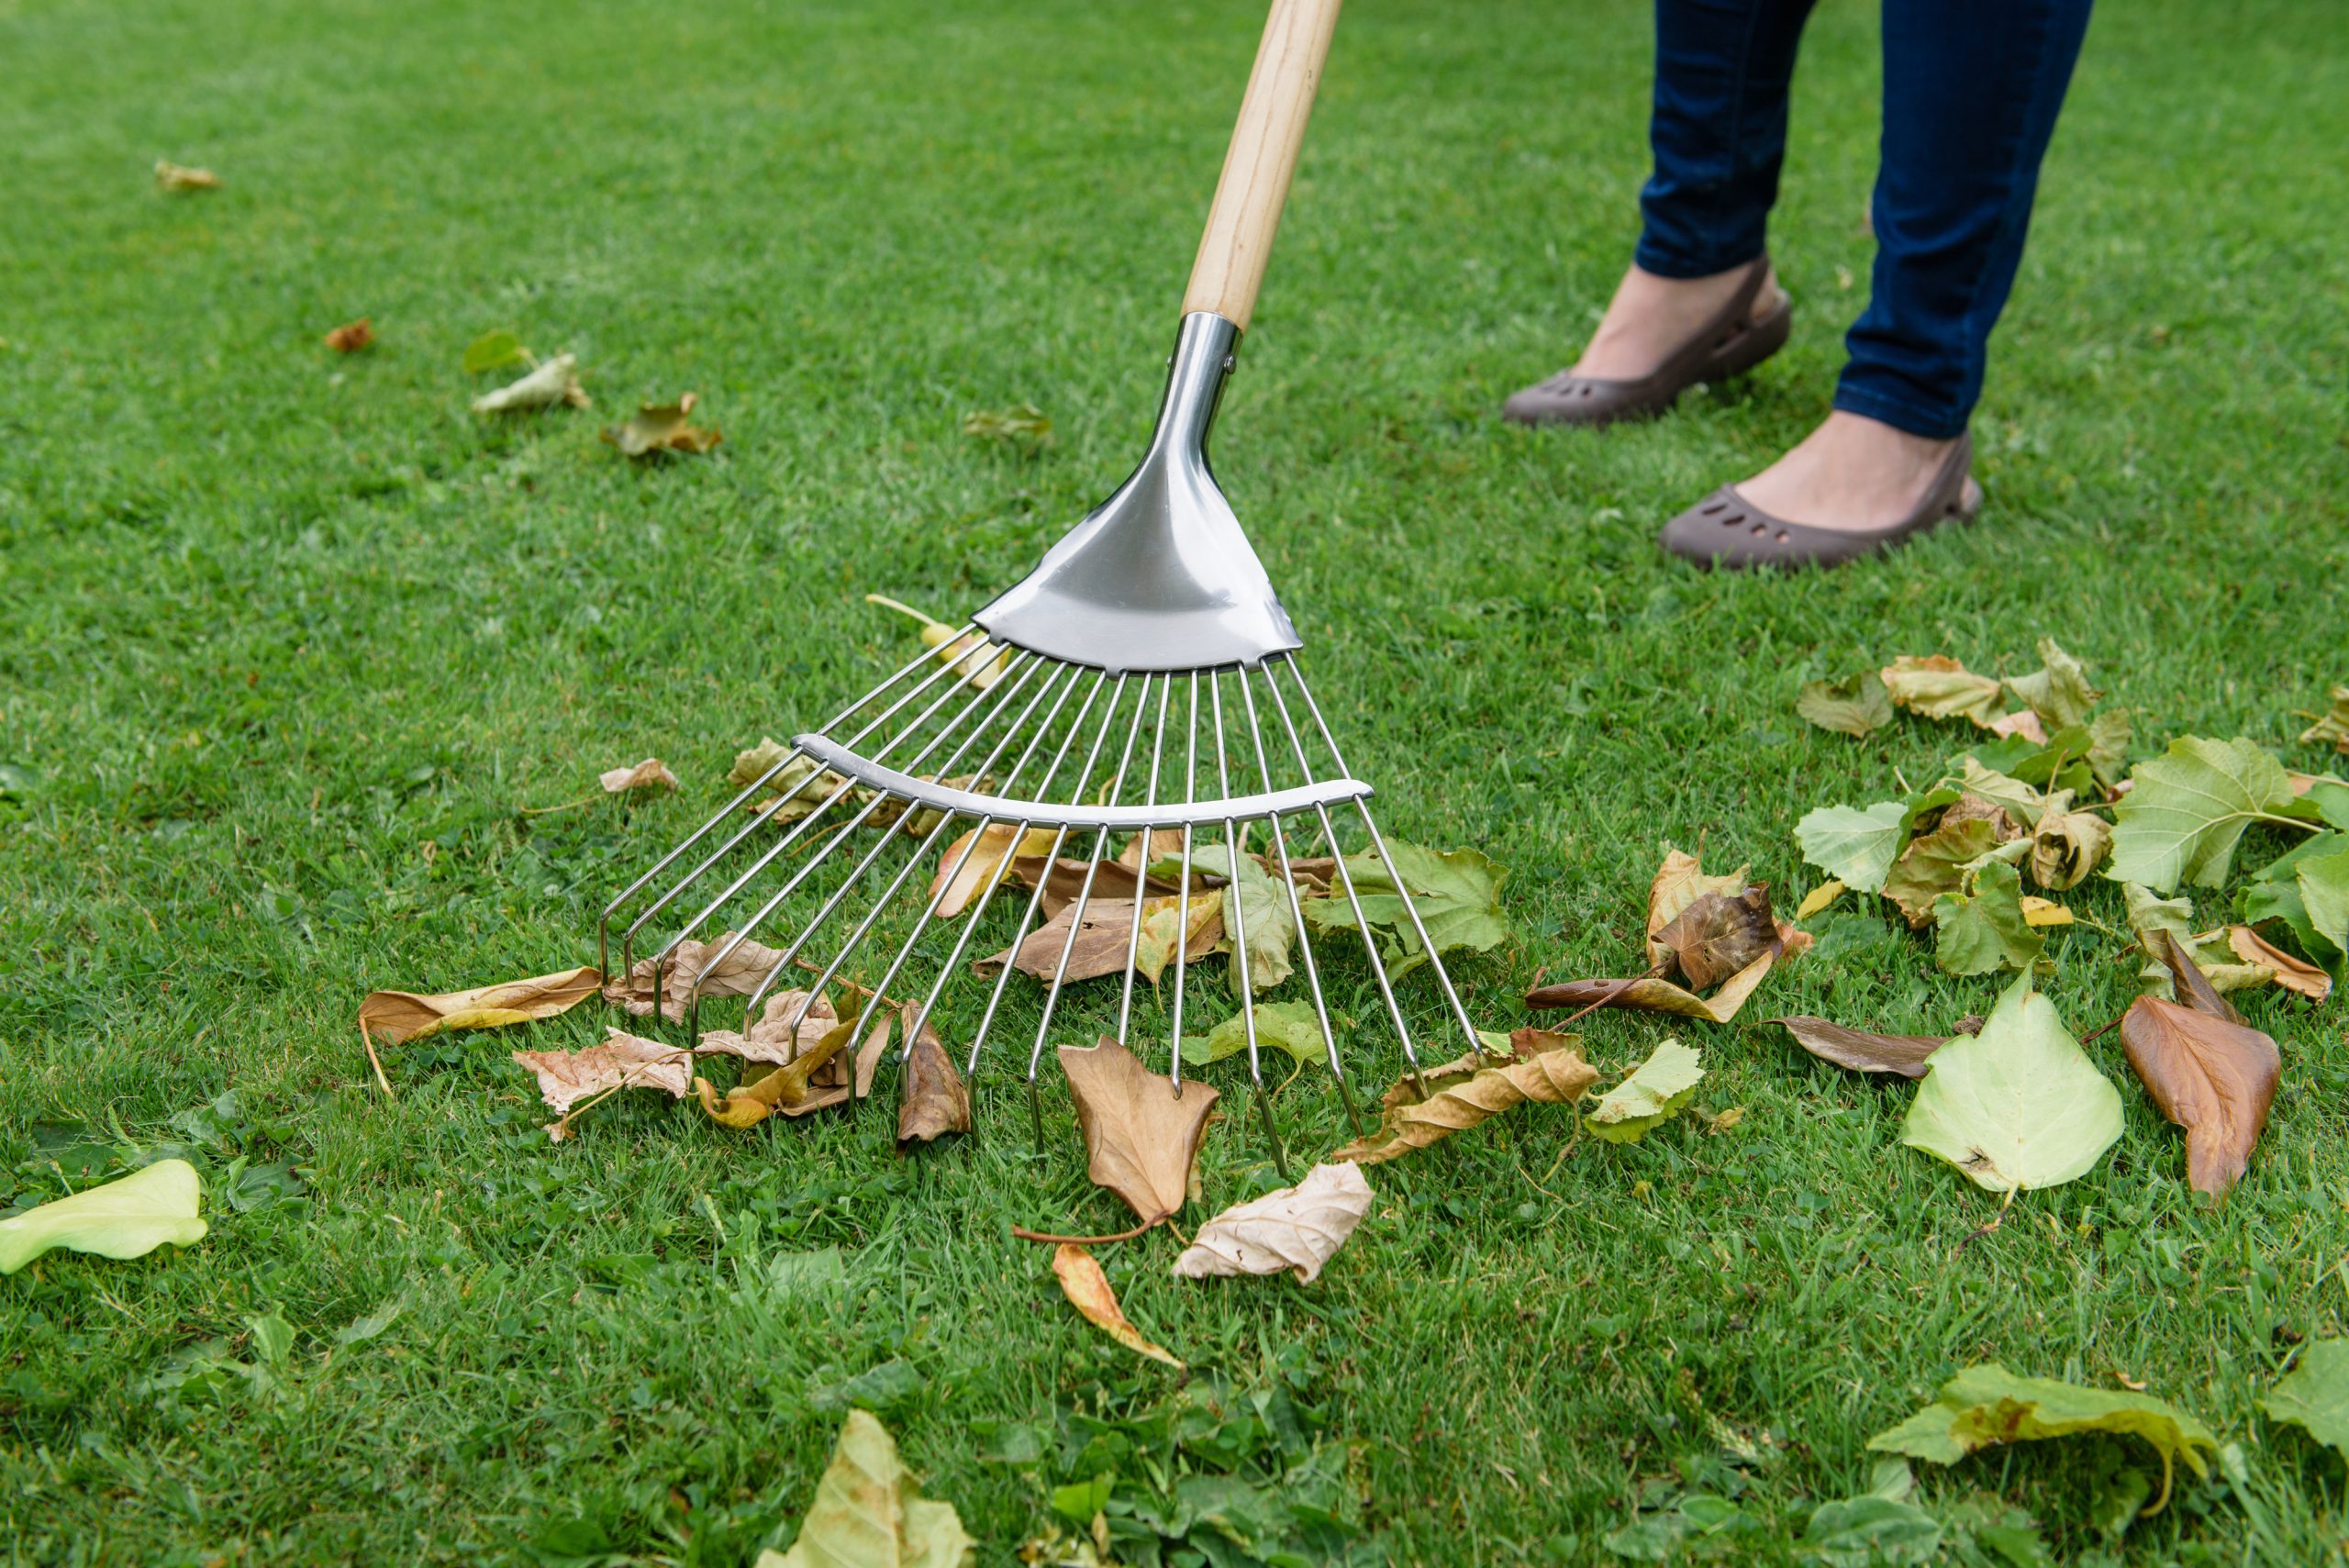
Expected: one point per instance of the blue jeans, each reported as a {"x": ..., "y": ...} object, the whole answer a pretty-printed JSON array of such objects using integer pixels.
[{"x": 1971, "y": 90}]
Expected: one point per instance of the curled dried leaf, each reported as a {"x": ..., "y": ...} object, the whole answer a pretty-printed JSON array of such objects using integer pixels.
[
  {"x": 556, "y": 381},
  {"x": 622, "y": 1060},
  {"x": 1937, "y": 686},
  {"x": 735, "y": 974},
  {"x": 1862, "y": 1051},
  {"x": 1717, "y": 935},
  {"x": 1556, "y": 1076},
  {"x": 935, "y": 1101},
  {"x": 657, "y": 428},
  {"x": 2294, "y": 975},
  {"x": 1088, "y": 1289},
  {"x": 980, "y": 859},
  {"x": 352, "y": 337},
  {"x": 177, "y": 178},
  {"x": 651, "y": 774},
  {"x": 396, "y": 1016}
]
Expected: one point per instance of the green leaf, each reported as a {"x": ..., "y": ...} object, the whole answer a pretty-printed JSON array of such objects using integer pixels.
[
  {"x": 866, "y": 1513},
  {"x": 2324, "y": 882},
  {"x": 1861, "y": 1532},
  {"x": 2151, "y": 917},
  {"x": 1854, "y": 846},
  {"x": 2189, "y": 807},
  {"x": 1080, "y": 1500},
  {"x": 1456, "y": 892},
  {"x": 875, "y": 1388},
  {"x": 1267, "y": 919},
  {"x": 2060, "y": 693},
  {"x": 1291, "y": 1027},
  {"x": 125, "y": 1218},
  {"x": 1982, "y": 927},
  {"x": 2018, "y": 1104},
  {"x": 273, "y": 1338},
  {"x": 359, "y": 1331},
  {"x": 1663, "y": 1083},
  {"x": 2108, "y": 737},
  {"x": 492, "y": 350},
  {"x": 2023, "y": 802},
  {"x": 1987, "y": 1404},
  {"x": 2327, "y": 801},
  {"x": 2315, "y": 1395},
  {"x": 1851, "y": 706},
  {"x": 1936, "y": 863}
]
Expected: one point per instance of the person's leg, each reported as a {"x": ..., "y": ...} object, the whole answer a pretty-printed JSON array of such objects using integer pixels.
[
  {"x": 1716, "y": 131},
  {"x": 1971, "y": 96}
]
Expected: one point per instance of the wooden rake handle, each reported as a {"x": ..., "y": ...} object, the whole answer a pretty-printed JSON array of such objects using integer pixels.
[{"x": 1248, "y": 198}]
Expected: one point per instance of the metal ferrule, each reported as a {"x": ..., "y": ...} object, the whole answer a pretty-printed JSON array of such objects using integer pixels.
[{"x": 1159, "y": 576}]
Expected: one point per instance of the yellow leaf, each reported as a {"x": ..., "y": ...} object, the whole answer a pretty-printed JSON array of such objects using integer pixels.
[
  {"x": 2044, "y": 912},
  {"x": 1088, "y": 1289},
  {"x": 396, "y": 1016},
  {"x": 951, "y": 646},
  {"x": 1819, "y": 898},
  {"x": 171, "y": 176},
  {"x": 964, "y": 875},
  {"x": 662, "y": 426}
]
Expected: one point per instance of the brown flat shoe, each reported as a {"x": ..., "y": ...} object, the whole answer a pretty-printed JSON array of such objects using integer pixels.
[
  {"x": 1725, "y": 529},
  {"x": 1731, "y": 343}
]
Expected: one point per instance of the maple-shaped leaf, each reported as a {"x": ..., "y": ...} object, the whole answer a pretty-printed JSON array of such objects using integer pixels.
[
  {"x": 1937, "y": 686},
  {"x": 556, "y": 381},
  {"x": 622, "y": 1060},
  {"x": 1088, "y": 1289},
  {"x": 935, "y": 1101},
  {"x": 1935, "y": 863},
  {"x": 1296, "y": 1227},
  {"x": 657, "y": 428},
  {"x": 2018, "y": 1104},
  {"x": 1456, "y": 894},
  {"x": 1987, "y": 1404},
  {"x": 1257, "y": 908},
  {"x": 1853, "y": 705},
  {"x": 2315, "y": 1393},
  {"x": 1291, "y": 1027},
  {"x": 2059, "y": 693},
  {"x": 1854, "y": 845},
  {"x": 867, "y": 1512},
  {"x": 1458, "y": 1100},
  {"x": 2207, "y": 1071},
  {"x": 1142, "y": 1134},
  {"x": 128, "y": 1218},
  {"x": 737, "y": 974},
  {"x": 1661, "y": 1085},
  {"x": 1982, "y": 926},
  {"x": 2190, "y": 807},
  {"x": 396, "y": 1016}
]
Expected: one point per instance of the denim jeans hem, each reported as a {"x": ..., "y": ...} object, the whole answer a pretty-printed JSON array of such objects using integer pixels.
[
  {"x": 1917, "y": 419},
  {"x": 1652, "y": 258}
]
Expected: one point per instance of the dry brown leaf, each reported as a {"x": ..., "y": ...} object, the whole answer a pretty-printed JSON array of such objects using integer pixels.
[
  {"x": 1980, "y": 809},
  {"x": 557, "y": 380},
  {"x": 566, "y": 1077},
  {"x": 171, "y": 176},
  {"x": 1088, "y": 1289},
  {"x": 738, "y": 975},
  {"x": 352, "y": 336},
  {"x": 651, "y": 774},
  {"x": 2024, "y": 723},
  {"x": 2292, "y": 974},
  {"x": 1099, "y": 948},
  {"x": 808, "y": 1081},
  {"x": 935, "y": 1101},
  {"x": 1556, "y": 1076},
  {"x": 1290, "y": 1228},
  {"x": 1065, "y": 881},
  {"x": 1147, "y": 848},
  {"x": 396, "y": 1016},
  {"x": 1717, "y": 935},
  {"x": 1679, "y": 882},
  {"x": 2066, "y": 846},
  {"x": 770, "y": 1038},
  {"x": 1647, "y": 993},
  {"x": 662, "y": 428},
  {"x": 2211, "y": 1076},
  {"x": 967, "y": 868},
  {"x": 1159, "y": 917},
  {"x": 1141, "y": 1136},
  {"x": 868, "y": 1054},
  {"x": 1861, "y": 1049}
]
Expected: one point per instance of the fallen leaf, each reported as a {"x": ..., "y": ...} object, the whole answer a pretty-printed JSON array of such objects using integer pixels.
[
  {"x": 1679, "y": 882},
  {"x": 1853, "y": 705},
  {"x": 951, "y": 648},
  {"x": 2332, "y": 728},
  {"x": 1148, "y": 848},
  {"x": 2022, "y": 722},
  {"x": 1257, "y": 906},
  {"x": 2018, "y": 1104},
  {"x": 1291, "y": 1027},
  {"x": 799, "y": 787},
  {"x": 2059, "y": 693},
  {"x": 2315, "y": 1393},
  {"x": 1717, "y": 1125},
  {"x": 1648, "y": 993},
  {"x": 1982, "y": 928},
  {"x": 1293, "y": 1228},
  {"x": 1864, "y": 1531},
  {"x": 869, "y": 1055},
  {"x": 2293, "y": 974},
  {"x": 736, "y": 975},
  {"x": 651, "y": 774},
  {"x": 1158, "y": 918},
  {"x": 1860, "y": 1050},
  {"x": 1661, "y": 1085},
  {"x": 1088, "y": 1289},
  {"x": 1935, "y": 863},
  {"x": 1456, "y": 894},
  {"x": 623, "y": 1060},
  {"x": 1853, "y": 845},
  {"x": 2109, "y": 733},
  {"x": 2066, "y": 846},
  {"x": 806, "y": 1084},
  {"x": 1556, "y": 1076},
  {"x": 397, "y": 1016},
  {"x": 662, "y": 428},
  {"x": 1141, "y": 1136},
  {"x": 1021, "y": 422},
  {"x": 2207, "y": 1072},
  {"x": 2154, "y": 922},
  {"x": 1987, "y": 1404},
  {"x": 2043, "y": 913},
  {"x": 2189, "y": 809},
  {"x": 1819, "y": 898},
  {"x": 868, "y": 1514},
  {"x": 773, "y": 1038},
  {"x": 2323, "y": 882},
  {"x": 935, "y": 1101},
  {"x": 1717, "y": 935},
  {"x": 1064, "y": 879},
  {"x": 129, "y": 1218},
  {"x": 171, "y": 176},
  {"x": 556, "y": 381},
  {"x": 1940, "y": 687},
  {"x": 495, "y": 351},
  {"x": 352, "y": 337},
  {"x": 1100, "y": 946},
  {"x": 980, "y": 859},
  {"x": 2022, "y": 804}
]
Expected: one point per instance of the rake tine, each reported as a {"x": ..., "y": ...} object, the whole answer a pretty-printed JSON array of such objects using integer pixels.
[
  {"x": 1234, "y": 847},
  {"x": 1142, "y": 871},
  {"x": 1183, "y": 897}
]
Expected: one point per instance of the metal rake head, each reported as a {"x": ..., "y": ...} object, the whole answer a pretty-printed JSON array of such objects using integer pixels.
[{"x": 1144, "y": 681}]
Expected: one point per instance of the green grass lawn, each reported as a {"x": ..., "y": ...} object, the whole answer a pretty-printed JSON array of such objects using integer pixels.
[{"x": 288, "y": 641}]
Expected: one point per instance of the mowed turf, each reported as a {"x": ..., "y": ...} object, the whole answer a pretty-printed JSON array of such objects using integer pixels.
[{"x": 288, "y": 641}]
